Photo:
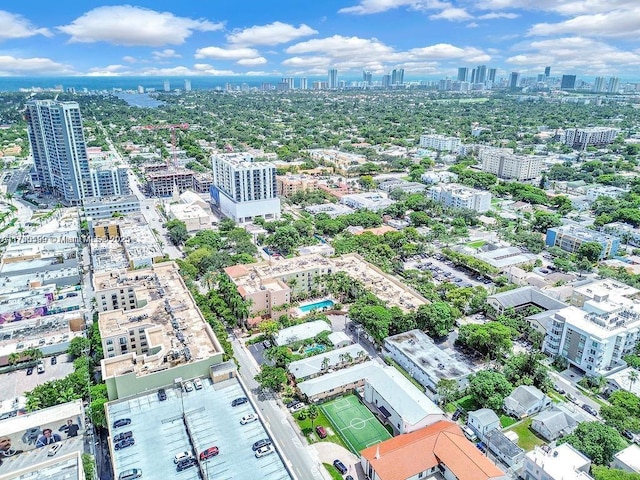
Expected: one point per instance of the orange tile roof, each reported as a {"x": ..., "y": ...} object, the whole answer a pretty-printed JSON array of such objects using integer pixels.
[
  {"x": 378, "y": 230},
  {"x": 236, "y": 271},
  {"x": 407, "y": 455}
]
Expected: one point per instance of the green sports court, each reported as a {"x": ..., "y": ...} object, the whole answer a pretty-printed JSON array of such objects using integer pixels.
[{"x": 355, "y": 424}]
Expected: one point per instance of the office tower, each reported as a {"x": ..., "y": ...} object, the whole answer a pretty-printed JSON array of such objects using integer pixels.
[
  {"x": 481, "y": 74},
  {"x": 473, "y": 75},
  {"x": 187, "y": 85},
  {"x": 463, "y": 74},
  {"x": 167, "y": 86},
  {"x": 386, "y": 81},
  {"x": 547, "y": 71},
  {"x": 367, "y": 77},
  {"x": 514, "y": 80},
  {"x": 303, "y": 83},
  {"x": 244, "y": 189},
  {"x": 59, "y": 150},
  {"x": 492, "y": 75},
  {"x": 397, "y": 76},
  {"x": 333, "y": 78},
  {"x": 568, "y": 82},
  {"x": 140, "y": 89},
  {"x": 598, "y": 85},
  {"x": 614, "y": 85},
  {"x": 286, "y": 84}
]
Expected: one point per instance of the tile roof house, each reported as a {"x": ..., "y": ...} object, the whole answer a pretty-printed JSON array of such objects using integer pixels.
[
  {"x": 526, "y": 400},
  {"x": 439, "y": 449}
]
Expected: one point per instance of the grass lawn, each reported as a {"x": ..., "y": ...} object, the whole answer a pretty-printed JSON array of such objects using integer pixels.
[
  {"x": 393, "y": 363},
  {"x": 527, "y": 439},
  {"x": 506, "y": 421},
  {"x": 556, "y": 397},
  {"x": 308, "y": 430},
  {"x": 467, "y": 403},
  {"x": 476, "y": 244},
  {"x": 450, "y": 407},
  {"x": 335, "y": 474}
]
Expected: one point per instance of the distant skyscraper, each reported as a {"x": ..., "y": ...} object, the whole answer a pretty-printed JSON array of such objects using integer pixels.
[
  {"x": 463, "y": 74},
  {"x": 547, "y": 71},
  {"x": 167, "y": 86},
  {"x": 481, "y": 74},
  {"x": 514, "y": 80},
  {"x": 598, "y": 85},
  {"x": 288, "y": 81},
  {"x": 492, "y": 75},
  {"x": 386, "y": 81},
  {"x": 140, "y": 89},
  {"x": 473, "y": 75},
  {"x": 568, "y": 82},
  {"x": 332, "y": 79},
  {"x": 303, "y": 83},
  {"x": 367, "y": 77},
  {"x": 397, "y": 76},
  {"x": 187, "y": 85},
  {"x": 614, "y": 85},
  {"x": 59, "y": 149}
]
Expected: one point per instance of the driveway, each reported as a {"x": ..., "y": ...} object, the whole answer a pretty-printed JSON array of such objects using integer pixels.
[{"x": 329, "y": 451}]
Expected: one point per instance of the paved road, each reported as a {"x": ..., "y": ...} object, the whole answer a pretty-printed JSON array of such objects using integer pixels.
[
  {"x": 561, "y": 380},
  {"x": 302, "y": 459},
  {"x": 17, "y": 177}
]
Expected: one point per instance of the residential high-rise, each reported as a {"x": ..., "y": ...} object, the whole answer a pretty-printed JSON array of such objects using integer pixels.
[
  {"x": 514, "y": 80},
  {"x": 332, "y": 79},
  {"x": 244, "y": 189},
  {"x": 367, "y": 77},
  {"x": 288, "y": 81},
  {"x": 507, "y": 166},
  {"x": 187, "y": 85},
  {"x": 614, "y": 85},
  {"x": 303, "y": 83},
  {"x": 547, "y": 71},
  {"x": 492, "y": 75},
  {"x": 473, "y": 75},
  {"x": 463, "y": 74},
  {"x": 59, "y": 149},
  {"x": 581, "y": 138},
  {"x": 568, "y": 82},
  {"x": 598, "y": 85},
  {"x": 397, "y": 76},
  {"x": 481, "y": 74},
  {"x": 386, "y": 81},
  {"x": 166, "y": 86}
]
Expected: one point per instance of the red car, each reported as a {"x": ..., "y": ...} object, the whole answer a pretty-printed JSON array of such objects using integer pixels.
[
  {"x": 209, "y": 452},
  {"x": 322, "y": 433}
]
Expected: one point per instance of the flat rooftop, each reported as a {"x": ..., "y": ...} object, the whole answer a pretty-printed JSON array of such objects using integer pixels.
[
  {"x": 615, "y": 291},
  {"x": 115, "y": 199},
  {"x": 564, "y": 462},
  {"x": 108, "y": 256},
  {"x": 602, "y": 326},
  {"x": 427, "y": 356},
  {"x": 209, "y": 420},
  {"x": 169, "y": 310},
  {"x": 312, "y": 365},
  {"x": 505, "y": 257},
  {"x": 36, "y": 464}
]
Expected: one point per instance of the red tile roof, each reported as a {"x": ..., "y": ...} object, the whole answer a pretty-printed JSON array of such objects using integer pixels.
[{"x": 407, "y": 455}]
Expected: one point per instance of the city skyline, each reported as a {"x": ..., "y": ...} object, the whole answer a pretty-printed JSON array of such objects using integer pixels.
[{"x": 348, "y": 35}]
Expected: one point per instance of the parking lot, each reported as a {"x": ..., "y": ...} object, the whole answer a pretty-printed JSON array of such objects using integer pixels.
[
  {"x": 16, "y": 383},
  {"x": 443, "y": 270},
  {"x": 209, "y": 420}
]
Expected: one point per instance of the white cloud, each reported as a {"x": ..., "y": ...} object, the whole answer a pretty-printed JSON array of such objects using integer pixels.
[
  {"x": 134, "y": 26},
  {"x": 166, "y": 53},
  {"x": 250, "y": 62},
  {"x": 231, "y": 53},
  {"x": 108, "y": 71},
  {"x": 615, "y": 24},
  {"x": 10, "y": 65},
  {"x": 275, "y": 33},
  {"x": 366, "y": 7},
  {"x": 16, "y": 26},
  {"x": 494, "y": 15},
  {"x": 446, "y": 51},
  {"x": 129, "y": 59},
  {"x": 563, "y": 7},
  {"x": 472, "y": 25},
  {"x": 453, "y": 14},
  {"x": 342, "y": 47},
  {"x": 185, "y": 71}
]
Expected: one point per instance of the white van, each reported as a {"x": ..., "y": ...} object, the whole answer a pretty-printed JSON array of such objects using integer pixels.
[
  {"x": 130, "y": 474},
  {"x": 470, "y": 434}
]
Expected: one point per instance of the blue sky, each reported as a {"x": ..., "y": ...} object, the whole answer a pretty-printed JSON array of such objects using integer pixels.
[{"x": 429, "y": 38}]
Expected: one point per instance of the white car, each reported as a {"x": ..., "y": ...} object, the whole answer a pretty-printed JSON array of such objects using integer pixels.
[
  {"x": 181, "y": 456},
  {"x": 252, "y": 417},
  {"x": 297, "y": 407},
  {"x": 188, "y": 387},
  {"x": 197, "y": 383},
  {"x": 266, "y": 450}
]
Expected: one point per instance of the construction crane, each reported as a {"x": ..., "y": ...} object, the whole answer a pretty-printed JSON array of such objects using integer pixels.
[{"x": 172, "y": 127}]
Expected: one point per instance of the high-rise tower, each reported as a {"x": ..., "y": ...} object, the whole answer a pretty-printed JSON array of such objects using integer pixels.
[{"x": 332, "y": 78}]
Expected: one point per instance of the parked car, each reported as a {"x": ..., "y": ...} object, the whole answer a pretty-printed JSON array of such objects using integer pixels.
[
  {"x": 123, "y": 436},
  {"x": 266, "y": 450},
  {"x": 121, "y": 422},
  {"x": 261, "y": 443},
  {"x": 197, "y": 383},
  {"x": 187, "y": 463},
  {"x": 188, "y": 386},
  {"x": 571, "y": 398},
  {"x": 54, "y": 449},
  {"x": 589, "y": 409},
  {"x": 470, "y": 434},
  {"x": 54, "y": 360},
  {"x": 162, "y": 395},
  {"x": 252, "y": 417},
  {"x": 297, "y": 407},
  {"x": 41, "y": 367},
  {"x": 239, "y": 401},
  {"x": 127, "y": 442},
  {"x": 30, "y": 371},
  {"x": 628, "y": 434},
  {"x": 559, "y": 389},
  {"x": 348, "y": 477},
  {"x": 292, "y": 403},
  {"x": 320, "y": 430},
  {"x": 456, "y": 415},
  {"x": 340, "y": 466},
  {"x": 209, "y": 452},
  {"x": 266, "y": 344},
  {"x": 130, "y": 474},
  {"x": 181, "y": 456},
  {"x": 481, "y": 446}
]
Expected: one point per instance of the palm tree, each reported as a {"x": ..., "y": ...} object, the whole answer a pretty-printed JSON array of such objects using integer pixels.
[
  {"x": 633, "y": 378},
  {"x": 14, "y": 358},
  {"x": 347, "y": 358},
  {"x": 325, "y": 363},
  {"x": 312, "y": 414}
]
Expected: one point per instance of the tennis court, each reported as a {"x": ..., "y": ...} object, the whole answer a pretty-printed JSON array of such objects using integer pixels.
[{"x": 354, "y": 423}]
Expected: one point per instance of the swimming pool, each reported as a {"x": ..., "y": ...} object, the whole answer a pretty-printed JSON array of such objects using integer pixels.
[{"x": 316, "y": 306}]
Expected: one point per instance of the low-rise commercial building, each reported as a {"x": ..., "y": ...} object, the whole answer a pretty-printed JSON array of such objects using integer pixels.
[
  {"x": 604, "y": 191},
  {"x": 193, "y": 215},
  {"x": 374, "y": 201},
  {"x": 503, "y": 258},
  {"x": 458, "y": 196},
  {"x": 570, "y": 237},
  {"x": 152, "y": 331},
  {"x": 392, "y": 184},
  {"x": 106, "y": 207}
]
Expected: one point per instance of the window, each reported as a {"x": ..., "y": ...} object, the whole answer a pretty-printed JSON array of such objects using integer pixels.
[
  {"x": 123, "y": 340},
  {"x": 109, "y": 342}
]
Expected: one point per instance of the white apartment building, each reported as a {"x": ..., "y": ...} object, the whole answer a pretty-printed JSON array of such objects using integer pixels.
[
  {"x": 459, "y": 196},
  {"x": 581, "y": 138},
  {"x": 244, "y": 189},
  {"x": 600, "y": 327},
  {"x": 560, "y": 463},
  {"x": 509, "y": 166},
  {"x": 440, "y": 142}
]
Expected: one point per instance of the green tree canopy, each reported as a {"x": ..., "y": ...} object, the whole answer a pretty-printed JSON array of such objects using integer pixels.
[
  {"x": 489, "y": 388},
  {"x": 597, "y": 441}
]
